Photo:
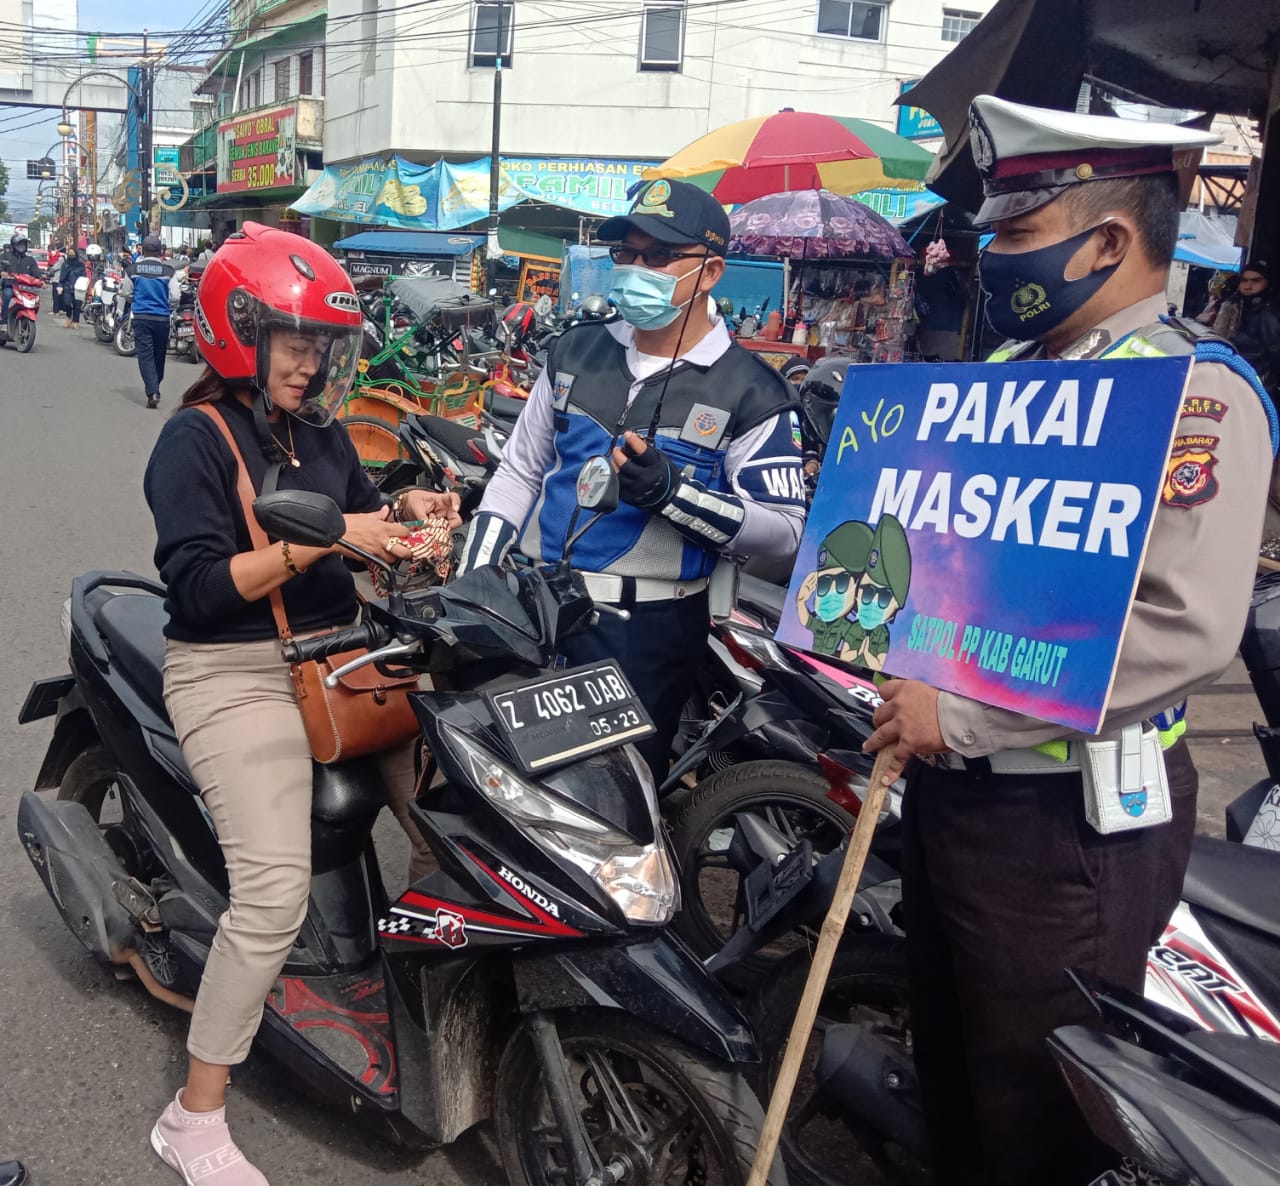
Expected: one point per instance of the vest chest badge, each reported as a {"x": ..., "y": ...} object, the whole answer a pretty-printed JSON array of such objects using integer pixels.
[
  {"x": 560, "y": 389},
  {"x": 704, "y": 426}
]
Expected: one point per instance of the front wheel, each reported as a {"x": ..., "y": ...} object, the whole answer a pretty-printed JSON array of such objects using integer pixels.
[
  {"x": 124, "y": 342},
  {"x": 672, "y": 1115},
  {"x": 22, "y": 333},
  {"x": 102, "y": 329}
]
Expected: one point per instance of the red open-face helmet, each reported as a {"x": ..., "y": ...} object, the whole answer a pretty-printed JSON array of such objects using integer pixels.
[
  {"x": 263, "y": 281},
  {"x": 518, "y": 323}
]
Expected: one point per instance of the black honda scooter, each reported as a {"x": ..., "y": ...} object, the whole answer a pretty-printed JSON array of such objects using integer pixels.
[{"x": 530, "y": 982}]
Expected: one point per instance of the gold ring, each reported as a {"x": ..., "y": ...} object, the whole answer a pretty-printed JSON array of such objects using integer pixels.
[{"x": 390, "y": 545}]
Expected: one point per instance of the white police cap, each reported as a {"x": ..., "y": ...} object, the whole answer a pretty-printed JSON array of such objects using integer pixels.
[{"x": 1028, "y": 155}]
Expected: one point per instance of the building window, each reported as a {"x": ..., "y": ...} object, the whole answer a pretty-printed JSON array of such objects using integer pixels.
[
  {"x": 284, "y": 79},
  {"x": 662, "y": 35},
  {"x": 860, "y": 19},
  {"x": 305, "y": 68},
  {"x": 492, "y": 32},
  {"x": 956, "y": 24}
]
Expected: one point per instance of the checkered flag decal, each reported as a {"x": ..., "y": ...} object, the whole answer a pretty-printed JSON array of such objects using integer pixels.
[{"x": 395, "y": 926}]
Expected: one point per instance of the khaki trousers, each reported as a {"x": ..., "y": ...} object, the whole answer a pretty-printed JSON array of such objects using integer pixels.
[{"x": 237, "y": 721}]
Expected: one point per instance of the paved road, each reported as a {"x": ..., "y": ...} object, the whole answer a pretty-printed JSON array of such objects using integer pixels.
[{"x": 87, "y": 1062}]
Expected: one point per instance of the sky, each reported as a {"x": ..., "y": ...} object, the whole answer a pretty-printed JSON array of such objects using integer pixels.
[{"x": 27, "y": 142}]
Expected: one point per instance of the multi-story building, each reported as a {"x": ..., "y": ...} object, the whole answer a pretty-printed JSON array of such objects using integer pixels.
[
  {"x": 612, "y": 78},
  {"x": 261, "y": 141}
]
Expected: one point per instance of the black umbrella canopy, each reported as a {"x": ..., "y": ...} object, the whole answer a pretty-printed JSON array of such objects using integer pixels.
[{"x": 1200, "y": 55}]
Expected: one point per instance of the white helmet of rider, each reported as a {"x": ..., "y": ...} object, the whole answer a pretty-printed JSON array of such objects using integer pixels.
[{"x": 93, "y": 251}]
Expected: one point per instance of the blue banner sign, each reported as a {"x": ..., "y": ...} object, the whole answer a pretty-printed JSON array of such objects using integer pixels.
[
  {"x": 915, "y": 123},
  {"x": 981, "y": 527},
  {"x": 376, "y": 192}
]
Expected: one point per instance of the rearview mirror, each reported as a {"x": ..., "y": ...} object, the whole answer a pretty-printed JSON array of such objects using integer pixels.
[
  {"x": 301, "y": 517},
  {"x": 598, "y": 486}
]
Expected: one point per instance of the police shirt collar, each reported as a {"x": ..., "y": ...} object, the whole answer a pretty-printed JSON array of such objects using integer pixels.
[
  {"x": 705, "y": 352},
  {"x": 1122, "y": 322}
]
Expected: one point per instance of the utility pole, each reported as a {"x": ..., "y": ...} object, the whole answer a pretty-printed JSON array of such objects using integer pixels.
[
  {"x": 148, "y": 149},
  {"x": 495, "y": 171}
]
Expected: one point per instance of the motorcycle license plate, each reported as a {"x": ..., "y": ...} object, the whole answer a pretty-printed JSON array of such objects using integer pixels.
[{"x": 569, "y": 715}]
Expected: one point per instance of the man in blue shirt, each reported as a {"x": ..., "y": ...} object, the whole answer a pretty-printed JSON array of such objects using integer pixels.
[{"x": 155, "y": 288}]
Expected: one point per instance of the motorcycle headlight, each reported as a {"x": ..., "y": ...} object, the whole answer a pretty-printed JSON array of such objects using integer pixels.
[{"x": 638, "y": 878}]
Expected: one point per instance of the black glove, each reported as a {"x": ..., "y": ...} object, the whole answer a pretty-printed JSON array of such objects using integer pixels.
[{"x": 648, "y": 480}]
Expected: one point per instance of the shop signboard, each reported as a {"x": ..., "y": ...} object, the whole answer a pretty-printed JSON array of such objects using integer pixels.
[
  {"x": 375, "y": 192},
  {"x": 364, "y": 263},
  {"x": 165, "y": 159},
  {"x": 539, "y": 278},
  {"x": 587, "y": 185},
  {"x": 915, "y": 123},
  {"x": 983, "y": 530},
  {"x": 258, "y": 150}
]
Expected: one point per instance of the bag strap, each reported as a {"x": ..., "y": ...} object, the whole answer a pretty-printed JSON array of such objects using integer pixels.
[{"x": 244, "y": 487}]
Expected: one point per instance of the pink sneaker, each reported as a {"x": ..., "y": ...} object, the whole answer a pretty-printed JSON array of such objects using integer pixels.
[{"x": 199, "y": 1146}]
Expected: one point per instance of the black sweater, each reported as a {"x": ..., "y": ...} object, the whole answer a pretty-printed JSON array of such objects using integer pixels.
[{"x": 190, "y": 485}]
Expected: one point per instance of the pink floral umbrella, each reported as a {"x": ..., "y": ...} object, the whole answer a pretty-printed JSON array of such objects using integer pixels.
[{"x": 814, "y": 225}]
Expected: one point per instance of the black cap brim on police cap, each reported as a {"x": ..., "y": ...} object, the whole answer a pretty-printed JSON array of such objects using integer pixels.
[{"x": 675, "y": 213}]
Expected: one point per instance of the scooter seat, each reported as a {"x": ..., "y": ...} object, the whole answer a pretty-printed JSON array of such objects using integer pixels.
[
  {"x": 1259, "y": 1060},
  {"x": 504, "y": 407},
  {"x": 453, "y": 436},
  {"x": 765, "y": 598},
  {"x": 1236, "y": 882},
  {"x": 133, "y": 626}
]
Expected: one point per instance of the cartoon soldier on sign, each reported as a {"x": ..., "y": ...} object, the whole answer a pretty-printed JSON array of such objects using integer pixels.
[
  {"x": 881, "y": 592},
  {"x": 842, "y": 560}
]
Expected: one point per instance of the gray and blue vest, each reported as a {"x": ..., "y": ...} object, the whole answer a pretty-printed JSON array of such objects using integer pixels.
[{"x": 703, "y": 410}]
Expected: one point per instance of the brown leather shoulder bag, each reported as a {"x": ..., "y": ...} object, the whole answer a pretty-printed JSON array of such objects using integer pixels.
[{"x": 367, "y": 711}]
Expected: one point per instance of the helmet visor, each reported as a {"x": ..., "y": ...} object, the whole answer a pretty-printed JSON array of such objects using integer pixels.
[{"x": 307, "y": 368}]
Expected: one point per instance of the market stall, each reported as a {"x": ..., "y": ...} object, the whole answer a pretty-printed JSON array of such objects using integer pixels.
[{"x": 848, "y": 277}]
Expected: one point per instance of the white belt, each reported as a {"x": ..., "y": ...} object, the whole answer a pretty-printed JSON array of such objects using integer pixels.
[
  {"x": 1016, "y": 761},
  {"x": 611, "y": 589}
]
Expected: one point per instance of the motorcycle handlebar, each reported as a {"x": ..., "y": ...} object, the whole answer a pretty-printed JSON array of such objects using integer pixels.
[{"x": 322, "y": 646}]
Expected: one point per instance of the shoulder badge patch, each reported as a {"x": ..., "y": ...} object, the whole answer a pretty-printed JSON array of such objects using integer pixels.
[
  {"x": 796, "y": 438},
  {"x": 560, "y": 388},
  {"x": 1190, "y": 479},
  {"x": 705, "y": 426},
  {"x": 1199, "y": 405}
]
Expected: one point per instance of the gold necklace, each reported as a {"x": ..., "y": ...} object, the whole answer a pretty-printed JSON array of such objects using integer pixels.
[{"x": 289, "y": 450}]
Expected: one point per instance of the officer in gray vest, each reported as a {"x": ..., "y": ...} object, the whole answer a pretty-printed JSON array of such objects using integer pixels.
[
  {"x": 705, "y": 438},
  {"x": 1005, "y": 881}
]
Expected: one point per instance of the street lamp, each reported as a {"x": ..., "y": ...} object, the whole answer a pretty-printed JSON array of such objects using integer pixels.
[{"x": 142, "y": 103}]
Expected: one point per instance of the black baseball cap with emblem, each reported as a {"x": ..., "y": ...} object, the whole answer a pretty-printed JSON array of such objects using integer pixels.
[
  {"x": 673, "y": 212},
  {"x": 1028, "y": 155}
]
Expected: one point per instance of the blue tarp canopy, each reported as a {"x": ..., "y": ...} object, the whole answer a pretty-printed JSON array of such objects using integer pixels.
[
  {"x": 1206, "y": 242},
  {"x": 411, "y": 242}
]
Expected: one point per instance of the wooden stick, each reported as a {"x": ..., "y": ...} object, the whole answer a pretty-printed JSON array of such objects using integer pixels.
[{"x": 832, "y": 929}]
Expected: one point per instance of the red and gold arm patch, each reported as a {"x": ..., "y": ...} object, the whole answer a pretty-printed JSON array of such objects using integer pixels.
[
  {"x": 1199, "y": 405},
  {"x": 1190, "y": 479}
]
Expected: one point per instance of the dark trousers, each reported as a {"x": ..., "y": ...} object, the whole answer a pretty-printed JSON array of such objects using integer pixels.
[
  {"x": 6, "y": 294},
  {"x": 659, "y": 651},
  {"x": 1005, "y": 884},
  {"x": 152, "y": 337}
]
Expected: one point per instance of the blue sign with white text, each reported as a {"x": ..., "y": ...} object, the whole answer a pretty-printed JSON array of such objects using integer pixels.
[
  {"x": 982, "y": 526},
  {"x": 915, "y": 123}
]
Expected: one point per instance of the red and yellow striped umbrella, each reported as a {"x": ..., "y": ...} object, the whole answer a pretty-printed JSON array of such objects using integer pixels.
[{"x": 795, "y": 150}]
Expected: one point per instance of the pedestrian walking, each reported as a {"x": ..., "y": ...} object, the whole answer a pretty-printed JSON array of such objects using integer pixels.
[
  {"x": 156, "y": 289},
  {"x": 704, "y": 437},
  {"x": 1005, "y": 882},
  {"x": 72, "y": 269}
]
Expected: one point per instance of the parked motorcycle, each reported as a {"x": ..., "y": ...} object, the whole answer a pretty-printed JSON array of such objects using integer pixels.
[
  {"x": 531, "y": 981},
  {"x": 24, "y": 307},
  {"x": 125, "y": 344}
]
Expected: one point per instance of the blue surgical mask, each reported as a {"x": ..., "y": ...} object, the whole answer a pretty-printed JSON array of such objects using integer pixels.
[
  {"x": 829, "y": 606},
  {"x": 1028, "y": 294},
  {"x": 873, "y": 606},
  {"x": 643, "y": 296}
]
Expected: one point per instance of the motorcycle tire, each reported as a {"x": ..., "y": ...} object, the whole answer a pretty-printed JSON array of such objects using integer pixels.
[
  {"x": 868, "y": 984},
  {"x": 376, "y": 442},
  {"x": 101, "y": 330},
  {"x": 125, "y": 344},
  {"x": 657, "y": 1077},
  {"x": 793, "y": 799},
  {"x": 193, "y": 352},
  {"x": 23, "y": 335}
]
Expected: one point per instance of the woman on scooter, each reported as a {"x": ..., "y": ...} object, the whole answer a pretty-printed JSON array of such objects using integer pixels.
[{"x": 278, "y": 323}]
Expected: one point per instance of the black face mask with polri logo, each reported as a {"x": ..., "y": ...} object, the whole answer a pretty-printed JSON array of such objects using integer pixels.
[{"x": 1028, "y": 293}]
